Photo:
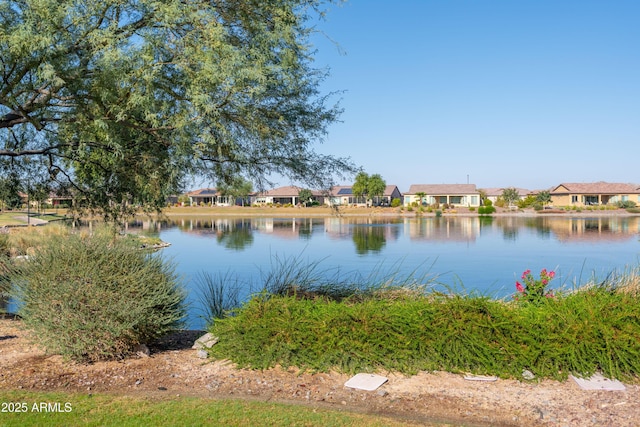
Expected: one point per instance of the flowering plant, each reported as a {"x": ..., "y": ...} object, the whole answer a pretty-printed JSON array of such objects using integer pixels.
[{"x": 532, "y": 289}]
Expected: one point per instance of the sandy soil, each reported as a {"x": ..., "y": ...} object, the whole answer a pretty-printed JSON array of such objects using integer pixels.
[{"x": 174, "y": 369}]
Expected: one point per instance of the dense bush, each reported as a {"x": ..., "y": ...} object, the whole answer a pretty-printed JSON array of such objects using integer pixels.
[
  {"x": 626, "y": 204},
  {"x": 486, "y": 209},
  {"x": 594, "y": 328},
  {"x": 92, "y": 297},
  {"x": 396, "y": 203}
]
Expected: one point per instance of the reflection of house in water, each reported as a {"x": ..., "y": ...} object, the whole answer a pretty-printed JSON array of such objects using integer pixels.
[
  {"x": 459, "y": 229},
  {"x": 597, "y": 228},
  {"x": 342, "y": 228},
  {"x": 287, "y": 228},
  {"x": 208, "y": 226}
]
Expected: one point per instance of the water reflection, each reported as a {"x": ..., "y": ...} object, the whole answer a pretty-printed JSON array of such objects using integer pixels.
[
  {"x": 368, "y": 239},
  {"x": 372, "y": 234}
]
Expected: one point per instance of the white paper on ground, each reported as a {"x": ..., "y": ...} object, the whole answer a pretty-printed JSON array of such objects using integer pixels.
[
  {"x": 471, "y": 377},
  {"x": 598, "y": 382},
  {"x": 367, "y": 382}
]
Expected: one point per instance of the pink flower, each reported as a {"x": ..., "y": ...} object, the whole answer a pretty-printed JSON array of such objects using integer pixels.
[
  {"x": 552, "y": 274},
  {"x": 519, "y": 287}
]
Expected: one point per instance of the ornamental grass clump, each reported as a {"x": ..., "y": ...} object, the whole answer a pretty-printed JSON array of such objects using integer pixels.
[{"x": 94, "y": 297}]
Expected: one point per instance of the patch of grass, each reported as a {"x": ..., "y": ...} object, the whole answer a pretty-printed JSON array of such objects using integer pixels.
[
  {"x": 596, "y": 327},
  {"x": 106, "y": 410}
]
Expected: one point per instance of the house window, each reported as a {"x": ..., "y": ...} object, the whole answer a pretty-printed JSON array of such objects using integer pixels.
[
  {"x": 574, "y": 199},
  {"x": 455, "y": 200},
  {"x": 474, "y": 200}
]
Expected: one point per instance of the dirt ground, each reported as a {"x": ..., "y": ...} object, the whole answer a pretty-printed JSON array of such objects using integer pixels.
[{"x": 174, "y": 369}]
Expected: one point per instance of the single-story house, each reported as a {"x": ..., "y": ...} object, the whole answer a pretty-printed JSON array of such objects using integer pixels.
[
  {"x": 594, "y": 193},
  {"x": 457, "y": 195},
  {"x": 494, "y": 193},
  {"x": 342, "y": 195},
  {"x": 209, "y": 197},
  {"x": 283, "y": 195}
]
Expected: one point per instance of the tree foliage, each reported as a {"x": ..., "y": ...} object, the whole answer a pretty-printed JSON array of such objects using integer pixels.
[
  {"x": 544, "y": 197},
  {"x": 237, "y": 188},
  {"x": 361, "y": 184},
  {"x": 368, "y": 186},
  {"x": 510, "y": 196},
  {"x": 376, "y": 185},
  {"x": 305, "y": 196},
  {"x": 123, "y": 100}
]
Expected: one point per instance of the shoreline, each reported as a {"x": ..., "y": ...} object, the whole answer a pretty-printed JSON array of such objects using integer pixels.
[{"x": 237, "y": 211}]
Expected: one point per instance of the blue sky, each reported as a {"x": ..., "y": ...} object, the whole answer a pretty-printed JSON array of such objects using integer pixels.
[{"x": 507, "y": 93}]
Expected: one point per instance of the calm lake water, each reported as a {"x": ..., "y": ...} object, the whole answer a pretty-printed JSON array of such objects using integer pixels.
[{"x": 467, "y": 254}]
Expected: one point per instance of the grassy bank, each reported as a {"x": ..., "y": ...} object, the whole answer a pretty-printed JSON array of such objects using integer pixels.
[
  {"x": 595, "y": 328},
  {"x": 62, "y": 409}
]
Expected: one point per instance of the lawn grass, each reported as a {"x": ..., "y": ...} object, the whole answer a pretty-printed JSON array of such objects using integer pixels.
[
  {"x": 18, "y": 218},
  {"x": 109, "y": 410}
]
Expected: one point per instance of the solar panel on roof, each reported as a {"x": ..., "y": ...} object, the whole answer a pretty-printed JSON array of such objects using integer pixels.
[
  {"x": 343, "y": 191},
  {"x": 203, "y": 192}
]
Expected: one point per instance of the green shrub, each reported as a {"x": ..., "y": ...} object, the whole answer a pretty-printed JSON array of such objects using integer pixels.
[
  {"x": 472, "y": 208},
  {"x": 93, "y": 297},
  {"x": 593, "y": 328},
  {"x": 396, "y": 203},
  {"x": 626, "y": 204},
  {"x": 486, "y": 210}
]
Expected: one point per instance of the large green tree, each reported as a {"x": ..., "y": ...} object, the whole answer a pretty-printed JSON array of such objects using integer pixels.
[
  {"x": 367, "y": 186},
  {"x": 125, "y": 99}
]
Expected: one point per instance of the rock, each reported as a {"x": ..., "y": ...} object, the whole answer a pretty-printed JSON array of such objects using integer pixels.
[
  {"x": 142, "y": 350},
  {"x": 202, "y": 354},
  {"x": 528, "y": 375},
  {"x": 205, "y": 341}
]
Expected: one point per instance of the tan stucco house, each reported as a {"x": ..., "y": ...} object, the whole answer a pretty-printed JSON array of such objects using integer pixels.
[
  {"x": 594, "y": 193},
  {"x": 494, "y": 194},
  {"x": 283, "y": 195},
  {"x": 209, "y": 197},
  {"x": 342, "y": 195},
  {"x": 458, "y": 195}
]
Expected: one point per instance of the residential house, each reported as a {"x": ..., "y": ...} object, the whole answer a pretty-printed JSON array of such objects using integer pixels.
[
  {"x": 342, "y": 195},
  {"x": 594, "y": 193},
  {"x": 283, "y": 195},
  {"x": 457, "y": 195},
  {"x": 209, "y": 197},
  {"x": 494, "y": 193}
]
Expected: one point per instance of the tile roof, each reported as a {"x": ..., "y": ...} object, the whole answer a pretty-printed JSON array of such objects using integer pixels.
[
  {"x": 288, "y": 191},
  {"x": 522, "y": 192},
  {"x": 598, "y": 188},
  {"x": 442, "y": 189},
  {"x": 203, "y": 192},
  {"x": 346, "y": 190}
]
